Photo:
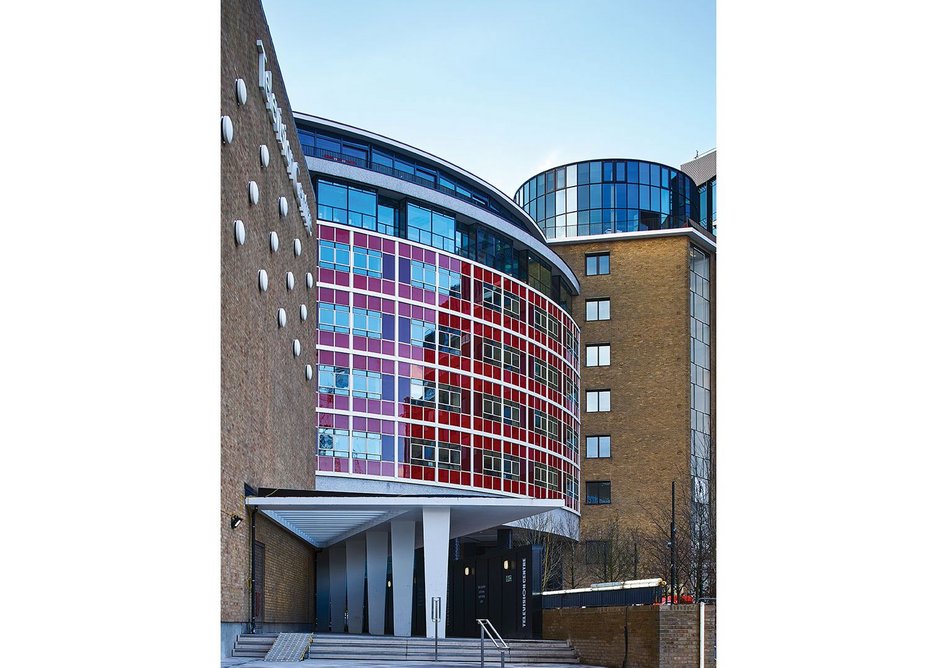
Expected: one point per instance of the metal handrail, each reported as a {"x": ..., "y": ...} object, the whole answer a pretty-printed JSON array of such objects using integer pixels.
[{"x": 496, "y": 639}]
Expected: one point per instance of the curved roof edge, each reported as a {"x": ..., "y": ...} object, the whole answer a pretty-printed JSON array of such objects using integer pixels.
[
  {"x": 619, "y": 159},
  {"x": 504, "y": 199}
]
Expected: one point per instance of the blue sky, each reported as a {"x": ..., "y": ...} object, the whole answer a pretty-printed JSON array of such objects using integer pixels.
[{"x": 507, "y": 89}]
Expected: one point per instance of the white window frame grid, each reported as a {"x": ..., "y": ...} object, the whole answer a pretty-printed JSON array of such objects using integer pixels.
[
  {"x": 335, "y": 434},
  {"x": 371, "y": 318},
  {"x": 372, "y": 262},
  {"x": 599, "y": 395},
  {"x": 327, "y": 370},
  {"x": 366, "y": 384},
  {"x": 595, "y": 305},
  {"x": 449, "y": 398},
  {"x": 335, "y": 248},
  {"x": 372, "y": 440},
  {"x": 594, "y": 354}
]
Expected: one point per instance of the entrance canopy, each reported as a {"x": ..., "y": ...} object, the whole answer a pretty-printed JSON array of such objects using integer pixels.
[{"x": 323, "y": 521}]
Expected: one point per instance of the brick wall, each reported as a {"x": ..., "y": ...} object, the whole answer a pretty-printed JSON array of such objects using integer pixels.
[
  {"x": 289, "y": 590},
  {"x": 649, "y": 375},
  {"x": 657, "y": 637},
  {"x": 267, "y": 406}
]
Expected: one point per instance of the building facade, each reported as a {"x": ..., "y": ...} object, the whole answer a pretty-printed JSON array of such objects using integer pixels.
[{"x": 632, "y": 231}]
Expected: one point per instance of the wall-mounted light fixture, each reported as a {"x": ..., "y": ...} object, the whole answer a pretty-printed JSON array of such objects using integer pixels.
[
  {"x": 388, "y": 584},
  {"x": 507, "y": 564},
  {"x": 227, "y": 130},
  {"x": 467, "y": 571},
  {"x": 264, "y": 155},
  {"x": 241, "y": 89},
  {"x": 284, "y": 205},
  {"x": 236, "y": 521}
]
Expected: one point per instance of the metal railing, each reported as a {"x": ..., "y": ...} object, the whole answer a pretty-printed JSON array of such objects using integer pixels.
[{"x": 487, "y": 628}]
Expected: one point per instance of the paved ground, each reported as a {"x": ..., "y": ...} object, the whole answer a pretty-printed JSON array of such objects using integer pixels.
[{"x": 336, "y": 663}]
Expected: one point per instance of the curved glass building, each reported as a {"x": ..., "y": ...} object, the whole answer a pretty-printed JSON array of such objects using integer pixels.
[
  {"x": 446, "y": 353},
  {"x": 609, "y": 196}
]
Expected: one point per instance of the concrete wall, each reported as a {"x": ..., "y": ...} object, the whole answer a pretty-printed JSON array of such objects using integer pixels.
[
  {"x": 267, "y": 405},
  {"x": 657, "y": 636}
]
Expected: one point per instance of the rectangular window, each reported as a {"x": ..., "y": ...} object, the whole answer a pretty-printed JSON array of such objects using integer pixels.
[
  {"x": 367, "y": 323},
  {"x": 598, "y": 355},
  {"x": 423, "y": 275},
  {"x": 553, "y": 327},
  {"x": 333, "y": 379},
  {"x": 450, "y": 283},
  {"x": 512, "y": 305},
  {"x": 541, "y": 320},
  {"x": 597, "y": 265},
  {"x": 546, "y": 476},
  {"x": 333, "y": 442},
  {"x": 366, "y": 445},
  {"x": 598, "y": 309},
  {"x": 598, "y": 447},
  {"x": 422, "y": 452},
  {"x": 368, "y": 262},
  {"x": 512, "y": 359},
  {"x": 512, "y": 467},
  {"x": 491, "y": 352},
  {"x": 450, "y": 398},
  {"x": 450, "y": 457},
  {"x": 334, "y": 318},
  {"x": 491, "y": 407},
  {"x": 545, "y": 425},
  {"x": 423, "y": 334},
  {"x": 598, "y": 493},
  {"x": 512, "y": 413},
  {"x": 491, "y": 463},
  {"x": 491, "y": 296},
  {"x": 334, "y": 256},
  {"x": 450, "y": 341},
  {"x": 366, "y": 384},
  {"x": 422, "y": 392},
  {"x": 598, "y": 401}
]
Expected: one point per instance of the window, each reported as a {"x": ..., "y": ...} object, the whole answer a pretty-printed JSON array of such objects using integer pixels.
[
  {"x": 368, "y": 262},
  {"x": 450, "y": 341},
  {"x": 491, "y": 352},
  {"x": 422, "y": 452},
  {"x": 598, "y": 401},
  {"x": 572, "y": 439},
  {"x": 597, "y": 265},
  {"x": 598, "y": 309},
  {"x": 554, "y": 328},
  {"x": 422, "y": 275},
  {"x": 512, "y": 305},
  {"x": 450, "y": 456},
  {"x": 333, "y": 380},
  {"x": 491, "y": 463},
  {"x": 450, "y": 398},
  {"x": 598, "y": 493},
  {"x": 491, "y": 296},
  {"x": 572, "y": 487},
  {"x": 334, "y": 318},
  {"x": 512, "y": 358},
  {"x": 333, "y": 442},
  {"x": 546, "y": 476},
  {"x": 422, "y": 392},
  {"x": 598, "y": 355},
  {"x": 334, "y": 256},
  {"x": 512, "y": 413},
  {"x": 545, "y": 425},
  {"x": 512, "y": 467},
  {"x": 366, "y": 384},
  {"x": 423, "y": 334},
  {"x": 491, "y": 407},
  {"x": 450, "y": 282},
  {"x": 367, "y": 323},
  {"x": 541, "y": 320},
  {"x": 598, "y": 447},
  {"x": 365, "y": 445}
]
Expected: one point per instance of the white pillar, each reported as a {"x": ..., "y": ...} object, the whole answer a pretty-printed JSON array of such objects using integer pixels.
[
  {"x": 403, "y": 543},
  {"x": 337, "y": 589},
  {"x": 355, "y": 559},
  {"x": 436, "y": 564},
  {"x": 377, "y": 580}
]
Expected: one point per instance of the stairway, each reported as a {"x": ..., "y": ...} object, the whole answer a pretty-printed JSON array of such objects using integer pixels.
[{"x": 391, "y": 648}]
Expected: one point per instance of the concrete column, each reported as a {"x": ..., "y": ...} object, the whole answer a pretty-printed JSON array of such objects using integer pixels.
[
  {"x": 436, "y": 564},
  {"x": 402, "y": 544},
  {"x": 355, "y": 560},
  {"x": 337, "y": 589},
  {"x": 377, "y": 576},
  {"x": 322, "y": 592}
]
